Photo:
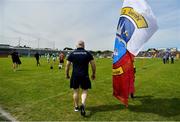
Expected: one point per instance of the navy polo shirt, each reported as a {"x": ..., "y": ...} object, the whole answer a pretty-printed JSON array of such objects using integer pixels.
[{"x": 80, "y": 59}]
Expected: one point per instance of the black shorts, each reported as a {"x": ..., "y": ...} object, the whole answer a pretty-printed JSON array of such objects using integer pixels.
[
  {"x": 14, "y": 60},
  {"x": 18, "y": 61},
  {"x": 83, "y": 82}
]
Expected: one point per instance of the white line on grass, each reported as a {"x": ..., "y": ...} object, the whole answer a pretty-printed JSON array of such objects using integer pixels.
[{"x": 7, "y": 116}]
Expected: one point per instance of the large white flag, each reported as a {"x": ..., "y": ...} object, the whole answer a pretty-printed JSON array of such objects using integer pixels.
[{"x": 144, "y": 21}]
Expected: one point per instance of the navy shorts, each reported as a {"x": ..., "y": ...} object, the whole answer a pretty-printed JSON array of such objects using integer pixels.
[
  {"x": 14, "y": 60},
  {"x": 83, "y": 82}
]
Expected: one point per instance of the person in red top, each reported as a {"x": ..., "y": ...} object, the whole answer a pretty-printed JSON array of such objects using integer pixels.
[{"x": 61, "y": 60}]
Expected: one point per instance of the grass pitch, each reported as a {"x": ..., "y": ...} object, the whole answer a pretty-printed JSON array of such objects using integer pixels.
[{"x": 39, "y": 93}]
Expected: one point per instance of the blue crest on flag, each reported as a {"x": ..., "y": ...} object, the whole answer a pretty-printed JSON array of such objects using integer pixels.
[{"x": 125, "y": 30}]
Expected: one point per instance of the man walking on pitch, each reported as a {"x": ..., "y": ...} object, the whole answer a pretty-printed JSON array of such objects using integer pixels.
[
  {"x": 15, "y": 59},
  {"x": 80, "y": 59},
  {"x": 37, "y": 58}
]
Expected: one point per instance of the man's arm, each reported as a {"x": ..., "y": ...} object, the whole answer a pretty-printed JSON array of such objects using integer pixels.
[
  {"x": 68, "y": 64},
  {"x": 93, "y": 67}
]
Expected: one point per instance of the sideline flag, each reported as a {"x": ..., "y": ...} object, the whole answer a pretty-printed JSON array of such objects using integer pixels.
[{"x": 136, "y": 25}]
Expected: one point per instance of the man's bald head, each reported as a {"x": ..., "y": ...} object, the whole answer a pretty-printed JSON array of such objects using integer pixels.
[{"x": 80, "y": 44}]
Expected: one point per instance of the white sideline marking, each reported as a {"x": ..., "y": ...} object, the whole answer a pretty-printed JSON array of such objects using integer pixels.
[{"x": 7, "y": 116}]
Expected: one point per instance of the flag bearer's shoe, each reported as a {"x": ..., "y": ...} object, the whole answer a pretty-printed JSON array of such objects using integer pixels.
[{"x": 132, "y": 95}]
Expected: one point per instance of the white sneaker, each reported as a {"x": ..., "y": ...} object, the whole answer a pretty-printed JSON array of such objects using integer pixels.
[{"x": 76, "y": 109}]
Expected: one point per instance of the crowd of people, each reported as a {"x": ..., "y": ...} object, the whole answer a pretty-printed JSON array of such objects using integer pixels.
[
  {"x": 167, "y": 58},
  {"x": 17, "y": 62},
  {"x": 157, "y": 54},
  {"x": 55, "y": 57}
]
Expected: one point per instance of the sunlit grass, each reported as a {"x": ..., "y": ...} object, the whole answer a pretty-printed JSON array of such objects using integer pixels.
[{"x": 39, "y": 93}]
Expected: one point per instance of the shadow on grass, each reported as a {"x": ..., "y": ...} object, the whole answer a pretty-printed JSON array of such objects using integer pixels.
[
  {"x": 20, "y": 70},
  {"x": 102, "y": 108},
  {"x": 161, "y": 106}
]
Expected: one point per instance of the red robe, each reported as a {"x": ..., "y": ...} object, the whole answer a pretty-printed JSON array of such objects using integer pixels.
[{"x": 123, "y": 84}]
